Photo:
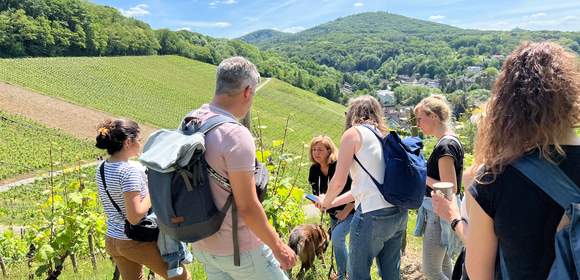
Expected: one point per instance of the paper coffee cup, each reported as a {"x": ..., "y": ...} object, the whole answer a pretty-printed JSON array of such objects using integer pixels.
[{"x": 445, "y": 188}]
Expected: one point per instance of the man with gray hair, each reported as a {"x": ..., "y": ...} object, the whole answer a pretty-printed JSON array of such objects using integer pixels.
[{"x": 231, "y": 152}]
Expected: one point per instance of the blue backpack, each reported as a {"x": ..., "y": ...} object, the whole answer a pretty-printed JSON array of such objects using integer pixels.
[
  {"x": 552, "y": 180},
  {"x": 405, "y": 170}
]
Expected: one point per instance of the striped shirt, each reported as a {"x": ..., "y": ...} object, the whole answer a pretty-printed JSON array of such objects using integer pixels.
[{"x": 120, "y": 177}]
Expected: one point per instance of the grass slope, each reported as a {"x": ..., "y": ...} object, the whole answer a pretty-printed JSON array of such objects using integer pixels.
[
  {"x": 25, "y": 145},
  {"x": 160, "y": 90}
]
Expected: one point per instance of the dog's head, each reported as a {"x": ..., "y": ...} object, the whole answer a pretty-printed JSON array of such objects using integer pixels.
[
  {"x": 309, "y": 236},
  {"x": 320, "y": 238}
]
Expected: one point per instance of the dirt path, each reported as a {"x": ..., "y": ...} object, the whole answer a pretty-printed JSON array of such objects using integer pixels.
[{"x": 52, "y": 112}]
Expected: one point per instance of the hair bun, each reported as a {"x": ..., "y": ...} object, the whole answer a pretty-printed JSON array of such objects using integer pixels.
[{"x": 103, "y": 137}]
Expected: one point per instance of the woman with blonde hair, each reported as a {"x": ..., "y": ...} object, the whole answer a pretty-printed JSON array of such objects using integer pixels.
[
  {"x": 444, "y": 165},
  {"x": 535, "y": 104},
  {"x": 323, "y": 154},
  {"x": 377, "y": 228}
]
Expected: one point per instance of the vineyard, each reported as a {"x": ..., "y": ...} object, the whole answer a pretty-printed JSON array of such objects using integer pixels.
[
  {"x": 160, "y": 90},
  {"x": 56, "y": 227},
  {"x": 24, "y": 147}
]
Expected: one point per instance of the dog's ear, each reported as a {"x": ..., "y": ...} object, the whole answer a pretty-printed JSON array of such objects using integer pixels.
[{"x": 322, "y": 237}]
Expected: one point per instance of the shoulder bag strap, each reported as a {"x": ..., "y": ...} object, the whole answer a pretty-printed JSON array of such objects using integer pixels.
[{"x": 102, "y": 170}]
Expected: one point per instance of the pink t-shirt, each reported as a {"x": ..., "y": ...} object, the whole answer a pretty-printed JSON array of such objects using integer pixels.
[{"x": 229, "y": 147}]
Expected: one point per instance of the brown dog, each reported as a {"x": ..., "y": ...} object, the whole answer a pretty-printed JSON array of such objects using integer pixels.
[{"x": 308, "y": 241}]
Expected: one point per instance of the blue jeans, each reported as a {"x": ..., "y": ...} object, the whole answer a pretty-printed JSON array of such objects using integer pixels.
[
  {"x": 254, "y": 265},
  {"x": 339, "y": 231},
  {"x": 376, "y": 234},
  {"x": 174, "y": 253}
]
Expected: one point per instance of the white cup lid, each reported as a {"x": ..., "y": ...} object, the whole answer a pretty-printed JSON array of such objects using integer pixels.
[{"x": 443, "y": 185}]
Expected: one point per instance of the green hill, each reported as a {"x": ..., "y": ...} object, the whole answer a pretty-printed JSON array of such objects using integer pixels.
[
  {"x": 62, "y": 28},
  {"x": 160, "y": 90},
  {"x": 373, "y": 48},
  {"x": 25, "y": 147}
]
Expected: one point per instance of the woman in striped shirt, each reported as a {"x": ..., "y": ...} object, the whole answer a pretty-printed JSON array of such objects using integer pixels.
[{"x": 126, "y": 185}]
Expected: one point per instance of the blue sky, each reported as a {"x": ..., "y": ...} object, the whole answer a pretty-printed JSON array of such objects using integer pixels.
[{"x": 234, "y": 18}]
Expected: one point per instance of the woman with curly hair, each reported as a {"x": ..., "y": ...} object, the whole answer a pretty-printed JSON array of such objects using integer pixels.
[{"x": 534, "y": 107}]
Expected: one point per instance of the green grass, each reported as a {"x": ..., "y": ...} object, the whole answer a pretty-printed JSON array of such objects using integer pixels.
[
  {"x": 25, "y": 146},
  {"x": 105, "y": 269},
  {"x": 155, "y": 89},
  {"x": 160, "y": 90}
]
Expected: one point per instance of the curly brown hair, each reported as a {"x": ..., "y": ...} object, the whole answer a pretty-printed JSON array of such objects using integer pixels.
[{"x": 534, "y": 104}]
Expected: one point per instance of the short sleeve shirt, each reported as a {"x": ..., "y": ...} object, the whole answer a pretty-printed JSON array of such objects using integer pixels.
[
  {"x": 447, "y": 146},
  {"x": 524, "y": 217},
  {"x": 120, "y": 177},
  {"x": 229, "y": 148},
  {"x": 319, "y": 183}
]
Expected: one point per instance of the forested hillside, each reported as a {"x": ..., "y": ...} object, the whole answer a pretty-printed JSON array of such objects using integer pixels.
[
  {"x": 39, "y": 28},
  {"x": 373, "y": 49}
]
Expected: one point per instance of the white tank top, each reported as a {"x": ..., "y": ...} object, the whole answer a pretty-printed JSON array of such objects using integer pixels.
[{"x": 365, "y": 192}]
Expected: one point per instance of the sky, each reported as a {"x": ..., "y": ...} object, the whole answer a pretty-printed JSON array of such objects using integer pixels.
[{"x": 235, "y": 18}]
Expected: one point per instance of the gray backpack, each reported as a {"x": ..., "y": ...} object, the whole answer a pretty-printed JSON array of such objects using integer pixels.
[{"x": 179, "y": 182}]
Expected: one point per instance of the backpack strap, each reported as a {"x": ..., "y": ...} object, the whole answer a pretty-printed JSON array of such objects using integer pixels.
[
  {"x": 102, "y": 171},
  {"x": 223, "y": 182},
  {"x": 373, "y": 130},
  {"x": 549, "y": 178},
  {"x": 214, "y": 122}
]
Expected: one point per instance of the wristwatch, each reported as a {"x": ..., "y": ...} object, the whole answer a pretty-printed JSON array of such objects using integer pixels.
[{"x": 456, "y": 221}]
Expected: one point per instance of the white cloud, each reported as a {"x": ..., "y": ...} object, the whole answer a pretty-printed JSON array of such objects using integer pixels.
[
  {"x": 224, "y": 2},
  {"x": 437, "y": 17},
  {"x": 293, "y": 29},
  {"x": 537, "y": 15},
  {"x": 204, "y": 24},
  {"x": 137, "y": 11},
  {"x": 184, "y": 28},
  {"x": 250, "y": 19},
  {"x": 547, "y": 22},
  {"x": 359, "y": 4}
]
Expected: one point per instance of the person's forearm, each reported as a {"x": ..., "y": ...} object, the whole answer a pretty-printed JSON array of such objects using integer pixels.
[
  {"x": 335, "y": 187},
  {"x": 461, "y": 230},
  {"x": 343, "y": 199},
  {"x": 255, "y": 218},
  {"x": 431, "y": 182}
]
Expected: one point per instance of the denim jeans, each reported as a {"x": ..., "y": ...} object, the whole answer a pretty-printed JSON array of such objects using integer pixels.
[
  {"x": 254, "y": 265},
  {"x": 376, "y": 234},
  {"x": 339, "y": 231},
  {"x": 437, "y": 263},
  {"x": 174, "y": 253}
]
